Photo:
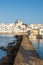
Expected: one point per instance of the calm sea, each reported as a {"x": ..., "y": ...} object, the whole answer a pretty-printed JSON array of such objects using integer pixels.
[
  {"x": 38, "y": 45},
  {"x": 4, "y": 40}
]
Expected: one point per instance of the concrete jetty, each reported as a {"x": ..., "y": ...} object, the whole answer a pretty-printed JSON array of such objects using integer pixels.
[{"x": 27, "y": 54}]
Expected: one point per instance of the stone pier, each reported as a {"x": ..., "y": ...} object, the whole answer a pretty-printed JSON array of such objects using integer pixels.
[{"x": 27, "y": 54}]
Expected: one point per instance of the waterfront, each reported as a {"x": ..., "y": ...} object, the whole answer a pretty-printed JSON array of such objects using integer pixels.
[
  {"x": 9, "y": 50},
  {"x": 27, "y": 55}
]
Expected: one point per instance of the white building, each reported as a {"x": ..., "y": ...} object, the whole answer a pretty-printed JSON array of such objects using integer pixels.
[{"x": 41, "y": 31}]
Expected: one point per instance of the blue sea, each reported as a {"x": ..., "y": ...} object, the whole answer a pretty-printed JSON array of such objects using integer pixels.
[
  {"x": 4, "y": 40},
  {"x": 38, "y": 45}
]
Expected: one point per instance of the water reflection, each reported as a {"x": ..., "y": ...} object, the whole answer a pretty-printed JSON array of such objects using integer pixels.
[{"x": 38, "y": 45}]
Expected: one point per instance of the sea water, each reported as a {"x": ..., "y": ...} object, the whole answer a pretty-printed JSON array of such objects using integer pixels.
[
  {"x": 38, "y": 45},
  {"x": 4, "y": 40}
]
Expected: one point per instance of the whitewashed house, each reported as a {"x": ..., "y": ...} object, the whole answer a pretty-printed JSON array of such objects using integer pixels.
[{"x": 40, "y": 31}]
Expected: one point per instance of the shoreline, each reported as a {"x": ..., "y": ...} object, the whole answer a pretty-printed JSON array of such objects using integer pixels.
[
  {"x": 27, "y": 54},
  {"x": 23, "y": 53},
  {"x": 11, "y": 51}
]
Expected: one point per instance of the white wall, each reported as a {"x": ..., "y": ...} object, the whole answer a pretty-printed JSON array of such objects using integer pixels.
[{"x": 41, "y": 31}]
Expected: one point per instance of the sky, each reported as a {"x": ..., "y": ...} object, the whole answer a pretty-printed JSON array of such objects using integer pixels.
[{"x": 29, "y": 11}]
